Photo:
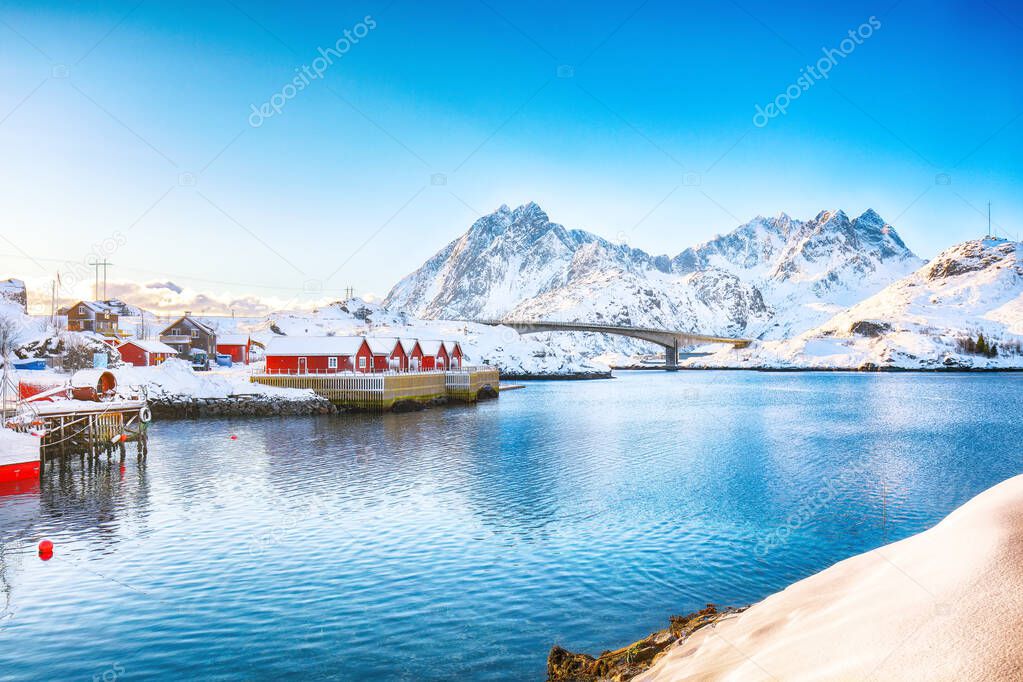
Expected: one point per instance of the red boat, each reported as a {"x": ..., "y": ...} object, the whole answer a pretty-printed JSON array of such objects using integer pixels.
[{"x": 19, "y": 456}]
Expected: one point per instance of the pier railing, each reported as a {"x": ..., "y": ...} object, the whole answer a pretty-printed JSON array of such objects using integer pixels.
[{"x": 381, "y": 390}]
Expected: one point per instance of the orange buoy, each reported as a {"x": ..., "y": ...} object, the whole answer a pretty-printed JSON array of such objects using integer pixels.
[
  {"x": 124, "y": 437},
  {"x": 45, "y": 550}
]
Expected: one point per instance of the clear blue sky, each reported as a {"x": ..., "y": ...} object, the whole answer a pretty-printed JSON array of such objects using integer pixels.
[{"x": 633, "y": 120}]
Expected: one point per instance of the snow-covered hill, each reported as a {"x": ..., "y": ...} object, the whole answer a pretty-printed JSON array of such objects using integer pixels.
[
  {"x": 769, "y": 278},
  {"x": 930, "y": 319}
]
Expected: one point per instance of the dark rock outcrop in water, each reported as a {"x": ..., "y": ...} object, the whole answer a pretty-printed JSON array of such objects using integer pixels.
[
  {"x": 186, "y": 407},
  {"x": 403, "y": 406},
  {"x": 629, "y": 661},
  {"x": 488, "y": 392}
]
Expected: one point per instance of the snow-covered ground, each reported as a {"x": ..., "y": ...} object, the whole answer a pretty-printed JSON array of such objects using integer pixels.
[
  {"x": 175, "y": 379},
  {"x": 919, "y": 322}
]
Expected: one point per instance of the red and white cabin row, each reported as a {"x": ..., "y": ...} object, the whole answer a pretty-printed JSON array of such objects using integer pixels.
[{"x": 335, "y": 354}]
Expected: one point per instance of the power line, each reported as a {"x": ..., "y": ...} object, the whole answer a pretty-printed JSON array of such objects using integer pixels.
[{"x": 157, "y": 273}]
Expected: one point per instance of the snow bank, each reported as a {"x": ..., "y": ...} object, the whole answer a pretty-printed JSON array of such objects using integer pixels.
[
  {"x": 175, "y": 378},
  {"x": 941, "y": 605}
]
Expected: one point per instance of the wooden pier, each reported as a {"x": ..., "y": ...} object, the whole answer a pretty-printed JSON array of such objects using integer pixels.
[
  {"x": 380, "y": 391},
  {"x": 80, "y": 427}
]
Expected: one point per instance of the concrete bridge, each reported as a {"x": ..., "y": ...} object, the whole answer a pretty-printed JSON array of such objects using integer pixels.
[{"x": 670, "y": 340}]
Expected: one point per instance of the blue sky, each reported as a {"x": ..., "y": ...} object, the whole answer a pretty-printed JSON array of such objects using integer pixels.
[{"x": 131, "y": 122}]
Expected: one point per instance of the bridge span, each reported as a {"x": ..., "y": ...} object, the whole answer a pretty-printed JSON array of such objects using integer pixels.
[{"x": 669, "y": 339}]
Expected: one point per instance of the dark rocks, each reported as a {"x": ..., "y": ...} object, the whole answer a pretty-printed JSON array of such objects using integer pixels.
[
  {"x": 488, "y": 392},
  {"x": 404, "y": 406},
  {"x": 871, "y": 328},
  {"x": 563, "y": 376},
  {"x": 187, "y": 407},
  {"x": 629, "y": 661}
]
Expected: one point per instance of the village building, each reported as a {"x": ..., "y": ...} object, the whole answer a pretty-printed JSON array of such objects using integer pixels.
[
  {"x": 92, "y": 316},
  {"x": 414, "y": 353},
  {"x": 237, "y": 346},
  {"x": 187, "y": 333},
  {"x": 112, "y": 318},
  {"x": 145, "y": 352},
  {"x": 388, "y": 355},
  {"x": 318, "y": 355},
  {"x": 454, "y": 350},
  {"x": 435, "y": 355}
]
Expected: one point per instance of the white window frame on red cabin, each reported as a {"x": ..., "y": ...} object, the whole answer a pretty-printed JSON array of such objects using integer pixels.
[
  {"x": 362, "y": 362},
  {"x": 332, "y": 363}
]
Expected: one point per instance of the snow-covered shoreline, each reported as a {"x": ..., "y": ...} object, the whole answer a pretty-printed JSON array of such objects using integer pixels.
[{"x": 941, "y": 604}]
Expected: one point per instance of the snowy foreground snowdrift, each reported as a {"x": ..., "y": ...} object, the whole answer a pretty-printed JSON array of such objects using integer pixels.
[{"x": 934, "y": 318}]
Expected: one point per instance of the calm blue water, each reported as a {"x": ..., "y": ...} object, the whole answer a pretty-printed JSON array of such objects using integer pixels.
[{"x": 462, "y": 543}]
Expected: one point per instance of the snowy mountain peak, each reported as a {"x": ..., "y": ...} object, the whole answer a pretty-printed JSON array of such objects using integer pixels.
[{"x": 770, "y": 276}]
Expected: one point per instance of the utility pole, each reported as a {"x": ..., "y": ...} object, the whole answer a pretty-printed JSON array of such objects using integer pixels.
[{"x": 97, "y": 264}]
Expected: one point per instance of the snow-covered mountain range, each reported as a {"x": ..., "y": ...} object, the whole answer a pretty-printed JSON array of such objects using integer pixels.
[{"x": 771, "y": 278}]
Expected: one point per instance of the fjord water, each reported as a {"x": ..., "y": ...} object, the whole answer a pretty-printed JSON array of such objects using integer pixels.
[{"x": 461, "y": 543}]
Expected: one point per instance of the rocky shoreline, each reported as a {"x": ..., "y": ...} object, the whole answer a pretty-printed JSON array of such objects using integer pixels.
[
  {"x": 570, "y": 376},
  {"x": 189, "y": 407},
  {"x": 629, "y": 661}
]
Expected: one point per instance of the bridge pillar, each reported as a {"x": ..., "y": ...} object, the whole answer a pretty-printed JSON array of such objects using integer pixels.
[{"x": 671, "y": 357}]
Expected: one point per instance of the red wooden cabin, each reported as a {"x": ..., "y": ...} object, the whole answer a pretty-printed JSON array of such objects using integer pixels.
[
  {"x": 435, "y": 355},
  {"x": 235, "y": 345},
  {"x": 388, "y": 355},
  {"x": 414, "y": 353},
  {"x": 145, "y": 353},
  {"x": 454, "y": 353},
  {"x": 318, "y": 355}
]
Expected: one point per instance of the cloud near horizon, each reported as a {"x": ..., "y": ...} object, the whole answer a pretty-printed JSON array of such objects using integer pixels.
[{"x": 169, "y": 298}]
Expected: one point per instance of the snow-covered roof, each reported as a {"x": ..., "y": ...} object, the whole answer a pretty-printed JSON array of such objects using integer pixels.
[
  {"x": 450, "y": 346},
  {"x": 94, "y": 306},
  {"x": 408, "y": 344},
  {"x": 381, "y": 346},
  {"x": 431, "y": 347},
  {"x": 151, "y": 346},
  {"x": 201, "y": 325},
  {"x": 314, "y": 345},
  {"x": 232, "y": 339}
]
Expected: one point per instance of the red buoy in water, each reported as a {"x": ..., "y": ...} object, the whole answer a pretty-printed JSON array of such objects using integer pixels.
[
  {"x": 45, "y": 550},
  {"x": 234, "y": 437}
]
